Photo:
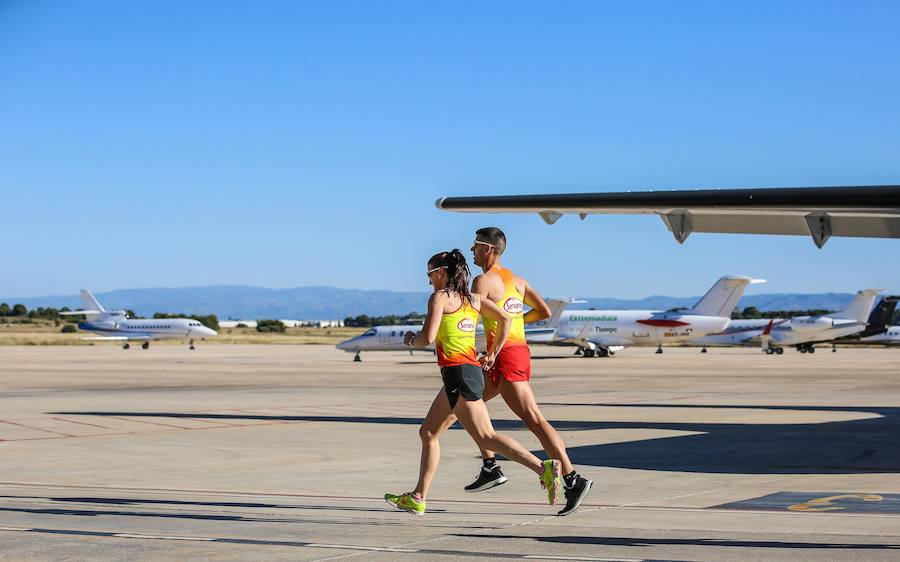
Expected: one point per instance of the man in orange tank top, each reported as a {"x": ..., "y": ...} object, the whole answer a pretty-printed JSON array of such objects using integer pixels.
[{"x": 512, "y": 369}]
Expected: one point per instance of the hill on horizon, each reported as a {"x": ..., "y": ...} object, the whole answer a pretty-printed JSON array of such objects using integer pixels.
[{"x": 243, "y": 302}]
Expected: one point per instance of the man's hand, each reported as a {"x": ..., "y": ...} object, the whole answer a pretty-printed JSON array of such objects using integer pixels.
[
  {"x": 408, "y": 338},
  {"x": 487, "y": 361}
]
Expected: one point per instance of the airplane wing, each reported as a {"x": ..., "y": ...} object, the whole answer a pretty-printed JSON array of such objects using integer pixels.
[{"x": 819, "y": 212}]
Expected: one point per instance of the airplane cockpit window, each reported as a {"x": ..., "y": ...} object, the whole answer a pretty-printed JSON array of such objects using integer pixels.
[{"x": 370, "y": 332}]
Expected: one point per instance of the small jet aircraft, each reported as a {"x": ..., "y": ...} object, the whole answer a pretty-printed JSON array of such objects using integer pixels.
[
  {"x": 891, "y": 336},
  {"x": 602, "y": 332},
  {"x": 801, "y": 331},
  {"x": 818, "y": 212},
  {"x": 116, "y": 326},
  {"x": 390, "y": 338}
]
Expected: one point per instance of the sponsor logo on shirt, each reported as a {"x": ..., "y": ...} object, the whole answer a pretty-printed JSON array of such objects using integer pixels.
[
  {"x": 513, "y": 305},
  {"x": 466, "y": 325}
]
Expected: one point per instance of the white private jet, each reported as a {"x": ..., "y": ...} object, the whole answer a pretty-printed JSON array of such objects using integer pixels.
[
  {"x": 801, "y": 331},
  {"x": 390, "y": 338},
  {"x": 818, "y": 212},
  {"x": 602, "y": 332},
  {"x": 891, "y": 336},
  {"x": 116, "y": 326}
]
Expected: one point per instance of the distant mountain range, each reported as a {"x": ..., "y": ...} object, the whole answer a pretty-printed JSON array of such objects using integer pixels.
[{"x": 321, "y": 303}]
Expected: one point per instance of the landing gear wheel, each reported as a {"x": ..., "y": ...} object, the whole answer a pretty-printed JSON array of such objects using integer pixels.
[
  {"x": 811, "y": 350},
  {"x": 769, "y": 351},
  {"x": 588, "y": 353},
  {"x": 578, "y": 351},
  {"x": 703, "y": 350},
  {"x": 126, "y": 346},
  {"x": 659, "y": 349},
  {"x": 356, "y": 358},
  {"x": 779, "y": 351},
  {"x": 801, "y": 349},
  {"x": 602, "y": 352},
  {"x": 191, "y": 345},
  {"x": 145, "y": 345}
]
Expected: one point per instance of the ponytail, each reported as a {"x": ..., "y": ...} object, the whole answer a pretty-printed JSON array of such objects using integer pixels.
[{"x": 457, "y": 270}]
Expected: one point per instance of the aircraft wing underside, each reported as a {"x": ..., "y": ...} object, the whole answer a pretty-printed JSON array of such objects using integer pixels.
[{"x": 819, "y": 212}]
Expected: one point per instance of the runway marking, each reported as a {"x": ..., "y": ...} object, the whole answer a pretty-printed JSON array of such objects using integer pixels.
[
  {"x": 160, "y": 537},
  {"x": 590, "y": 559},
  {"x": 821, "y": 503},
  {"x": 35, "y": 429},
  {"x": 81, "y": 423}
]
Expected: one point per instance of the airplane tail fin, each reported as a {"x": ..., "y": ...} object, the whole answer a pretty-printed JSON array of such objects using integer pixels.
[
  {"x": 557, "y": 306},
  {"x": 90, "y": 303},
  {"x": 91, "y": 306},
  {"x": 723, "y": 297},
  {"x": 881, "y": 317},
  {"x": 859, "y": 307}
]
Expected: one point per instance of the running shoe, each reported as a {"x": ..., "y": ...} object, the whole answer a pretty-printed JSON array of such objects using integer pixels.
[
  {"x": 575, "y": 495},
  {"x": 406, "y": 502},
  {"x": 550, "y": 480},
  {"x": 487, "y": 478}
]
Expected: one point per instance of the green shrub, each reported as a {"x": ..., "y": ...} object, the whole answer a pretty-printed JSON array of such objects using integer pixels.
[
  {"x": 271, "y": 326},
  {"x": 69, "y": 329}
]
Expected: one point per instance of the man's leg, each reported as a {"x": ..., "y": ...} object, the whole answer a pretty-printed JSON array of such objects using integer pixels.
[{"x": 520, "y": 399}]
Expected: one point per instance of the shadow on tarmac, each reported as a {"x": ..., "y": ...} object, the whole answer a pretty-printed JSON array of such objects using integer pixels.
[
  {"x": 842, "y": 447},
  {"x": 624, "y": 541}
]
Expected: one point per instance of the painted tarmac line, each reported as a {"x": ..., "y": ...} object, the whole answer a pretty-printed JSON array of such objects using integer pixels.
[{"x": 585, "y": 558}]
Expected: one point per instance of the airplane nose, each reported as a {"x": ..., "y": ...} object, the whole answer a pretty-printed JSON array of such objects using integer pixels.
[{"x": 210, "y": 332}]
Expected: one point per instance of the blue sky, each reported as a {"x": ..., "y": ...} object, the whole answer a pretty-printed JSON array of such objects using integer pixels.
[{"x": 286, "y": 144}]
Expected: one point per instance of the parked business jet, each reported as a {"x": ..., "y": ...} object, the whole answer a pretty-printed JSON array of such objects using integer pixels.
[
  {"x": 600, "y": 332},
  {"x": 891, "y": 336},
  {"x": 390, "y": 338},
  {"x": 116, "y": 326},
  {"x": 801, "y": 331}
]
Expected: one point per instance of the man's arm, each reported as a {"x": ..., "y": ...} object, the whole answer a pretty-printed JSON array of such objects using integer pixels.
[{"x": 540, "y": 310}]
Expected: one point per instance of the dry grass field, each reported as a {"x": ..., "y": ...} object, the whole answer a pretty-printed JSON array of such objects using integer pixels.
[{"x": 43, "y": 332}]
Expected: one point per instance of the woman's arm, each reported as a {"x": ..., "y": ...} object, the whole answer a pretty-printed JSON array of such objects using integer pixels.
[
  {"x": 493, "y": 312},
  {"x": 432, "y": 323}
]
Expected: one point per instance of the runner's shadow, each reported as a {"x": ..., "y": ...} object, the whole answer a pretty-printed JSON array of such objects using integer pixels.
[{"x": 622, "y": 541}]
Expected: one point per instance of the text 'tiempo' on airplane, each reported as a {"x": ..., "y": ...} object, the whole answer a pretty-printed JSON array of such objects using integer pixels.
[
  {"x": 116, "y": 326},
  {"x": 818, "y": 212}
]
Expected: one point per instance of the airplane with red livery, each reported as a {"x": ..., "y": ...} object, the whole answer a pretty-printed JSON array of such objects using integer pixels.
[{"x": 602, "y": 332}]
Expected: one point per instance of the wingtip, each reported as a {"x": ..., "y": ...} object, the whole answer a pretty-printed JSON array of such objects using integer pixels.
[{"x": 439, "y": 203}]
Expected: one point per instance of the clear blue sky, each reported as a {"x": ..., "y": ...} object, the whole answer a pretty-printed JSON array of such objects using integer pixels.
[{"x": 285, "y": 144}]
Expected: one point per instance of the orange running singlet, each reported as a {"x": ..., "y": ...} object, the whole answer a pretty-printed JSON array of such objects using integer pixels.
[
  {"x": 455, "y": 341},
  {"x": 513, "y": 302}
]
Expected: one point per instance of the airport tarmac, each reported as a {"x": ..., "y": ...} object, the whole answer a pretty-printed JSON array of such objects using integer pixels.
[{"x": 235, "y": 452}]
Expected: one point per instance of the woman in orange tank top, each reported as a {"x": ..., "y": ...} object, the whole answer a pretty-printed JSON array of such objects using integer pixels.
[{"x": 450, "y": 324}]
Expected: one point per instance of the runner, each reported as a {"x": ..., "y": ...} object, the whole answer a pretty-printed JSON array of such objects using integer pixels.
[
  {"x": 511, "y": 371},
  {"x": 450, "y": 322}
]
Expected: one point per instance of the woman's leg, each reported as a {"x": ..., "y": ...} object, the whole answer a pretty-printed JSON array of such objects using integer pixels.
[
  {"x": 438, "y": 420},
  {"x": 474, "y": 416}
]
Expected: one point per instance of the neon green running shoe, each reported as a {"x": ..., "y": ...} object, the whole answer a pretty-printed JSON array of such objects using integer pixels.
[
  {"x": 550, "y": 480},
  {"x": 406, "y": 502}
]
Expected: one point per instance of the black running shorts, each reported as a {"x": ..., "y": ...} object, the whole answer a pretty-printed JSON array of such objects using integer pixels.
[{"x": 466, "y": 380}]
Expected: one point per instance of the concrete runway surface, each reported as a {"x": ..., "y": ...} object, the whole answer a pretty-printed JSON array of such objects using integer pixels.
[{"x": 284, "y": 452}]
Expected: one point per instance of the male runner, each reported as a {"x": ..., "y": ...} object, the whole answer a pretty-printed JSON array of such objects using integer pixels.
[{"x": 512, "y": 369}]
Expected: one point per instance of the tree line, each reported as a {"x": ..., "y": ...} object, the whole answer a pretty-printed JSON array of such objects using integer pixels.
[{"x": 366, "y": 321}]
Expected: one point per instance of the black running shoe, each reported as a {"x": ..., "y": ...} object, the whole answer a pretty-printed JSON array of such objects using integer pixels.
[
  {"x": 575, "y": 495},
  {"x": 487, "y": 479}
]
